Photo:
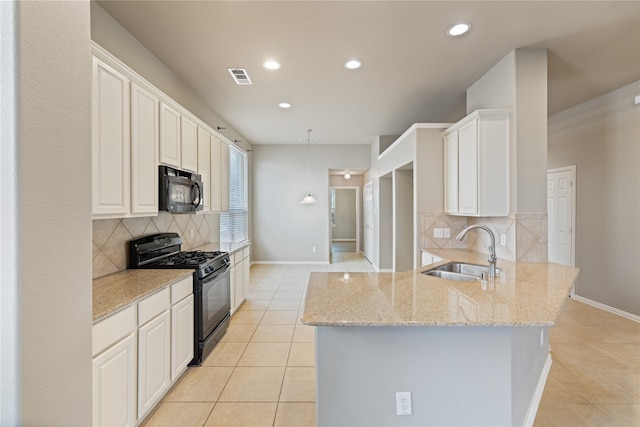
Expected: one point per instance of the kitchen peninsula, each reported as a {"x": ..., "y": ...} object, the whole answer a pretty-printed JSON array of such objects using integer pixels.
[{"x": 470, "y": 353}]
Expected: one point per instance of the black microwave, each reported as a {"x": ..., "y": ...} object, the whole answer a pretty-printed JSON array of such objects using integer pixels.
[{"x": 180, "y": 191}]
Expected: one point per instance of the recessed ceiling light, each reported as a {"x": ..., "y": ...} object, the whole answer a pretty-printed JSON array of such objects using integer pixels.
[
  {"x": 284, "y": 105},
  {"x": 459, "y": 29},
  {"x": 353, "y": 64},
  {"x": 271, "y": 65}
]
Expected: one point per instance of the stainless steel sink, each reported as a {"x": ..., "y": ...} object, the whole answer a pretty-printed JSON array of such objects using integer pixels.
[{"x": 459, "y": 271}]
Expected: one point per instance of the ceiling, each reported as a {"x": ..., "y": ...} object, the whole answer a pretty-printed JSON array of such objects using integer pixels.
[{"x": 412, "y": 71}]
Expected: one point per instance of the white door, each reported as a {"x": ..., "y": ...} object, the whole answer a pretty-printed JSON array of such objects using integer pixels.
[
  {"x": 560, "y": 208},
  {"x": 367, "y": 195}
]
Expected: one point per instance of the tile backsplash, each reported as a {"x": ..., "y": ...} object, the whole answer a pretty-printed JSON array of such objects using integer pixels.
[
  {"x": 111, "y": 236},
  {"x": 526, "y": 234}
]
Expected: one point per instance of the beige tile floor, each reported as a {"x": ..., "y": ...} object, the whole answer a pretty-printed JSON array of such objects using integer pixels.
[
  {"x": 595, "y": 375},
  {"x": 262, "y": 373}
]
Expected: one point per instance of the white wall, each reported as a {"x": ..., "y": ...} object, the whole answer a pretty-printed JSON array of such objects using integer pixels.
[
  {"x": 519, "y": 82},
  {"x": 421, "y": 146},
  {"x": 602, "y": 138},
  {"x": 51, "y": 193},
  {"x": 284, "y": 230}
]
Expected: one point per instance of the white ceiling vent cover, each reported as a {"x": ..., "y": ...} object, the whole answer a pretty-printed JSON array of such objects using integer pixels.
[{"x": 240, "y": 76}]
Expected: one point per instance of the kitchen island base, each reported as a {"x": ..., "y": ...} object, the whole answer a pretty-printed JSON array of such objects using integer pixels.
[{"x": 460, "y": 376}]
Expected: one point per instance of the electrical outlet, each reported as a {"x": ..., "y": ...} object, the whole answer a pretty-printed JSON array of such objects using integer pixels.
[
  {"x": 313, "y": 249},
  {"x": 438, "y": 233},
  {"x": 403, "y": 403},
  {"x": 503, "y": 239},
  {"x": 447, "y": 233},
  {"x": 191, "y": 233}
]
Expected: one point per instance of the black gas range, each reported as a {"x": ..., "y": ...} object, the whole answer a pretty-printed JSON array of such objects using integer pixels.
[{"x": 211, "y": 284}]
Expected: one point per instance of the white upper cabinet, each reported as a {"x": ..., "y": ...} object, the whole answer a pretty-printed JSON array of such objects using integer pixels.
[
  {"x": 170, "y": 152},
  {"x": 451, "y": 173},
  {"x": 188, "y": 144},
  {"x": 204, "y": 167},
  {"x": 476, "y": 151},
  {"x": 144, "y": 152},
  {"x": 110, "y": 141},
  {"x": 134, "y": 128},
  {"x": 178, "y": 139}
]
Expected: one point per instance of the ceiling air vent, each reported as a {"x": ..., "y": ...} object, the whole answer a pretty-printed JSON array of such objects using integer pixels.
[{"x": 240, "y": 76}]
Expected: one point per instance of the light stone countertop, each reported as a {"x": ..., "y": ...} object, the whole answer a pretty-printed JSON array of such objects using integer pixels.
[
  {"x": 525, "y": 294},
  {"x": 224, "y": 247},
  {"x": 118, "y": 290}
]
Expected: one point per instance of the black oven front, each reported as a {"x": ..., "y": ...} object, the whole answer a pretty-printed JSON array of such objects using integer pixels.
[{"x": 212, "y": 311}]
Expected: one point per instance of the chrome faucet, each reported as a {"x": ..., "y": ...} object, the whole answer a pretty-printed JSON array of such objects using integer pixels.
[{"x": 492, "y": 249}]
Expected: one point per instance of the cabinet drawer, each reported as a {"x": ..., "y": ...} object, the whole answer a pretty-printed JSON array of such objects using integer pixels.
[
  {"x": 181, "y": 290},
  {"x": 110, "y": 330},
  {"x": 153, "y": 305},
  {"x": 237, "y": 257}
]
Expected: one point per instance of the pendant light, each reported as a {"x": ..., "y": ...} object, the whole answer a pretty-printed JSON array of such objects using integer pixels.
[{"x": 308, "y": 199}]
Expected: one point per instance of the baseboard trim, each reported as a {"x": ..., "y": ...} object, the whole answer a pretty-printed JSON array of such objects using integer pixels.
[
  {"x": 537, "y": 394},
  {"x": 292, "y": 262},
  {"x": 605, "y": 307}
]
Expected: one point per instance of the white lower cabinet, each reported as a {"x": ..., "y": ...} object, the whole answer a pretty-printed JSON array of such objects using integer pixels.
[
  {"x": 181, "y": 327},
  {"x": 246, "y": 267},
  {"x": 240, "y": 277},
  {"x": 139, "y": 352},
  {"x": 115, "y": 370},
  {"x": 235, "y": 302},
  {"x": 154, "y": 350},
  {"x": 114, "y": 385},
  {"x": 153, "y": 362},
  {"x": 429, "y": 258}
]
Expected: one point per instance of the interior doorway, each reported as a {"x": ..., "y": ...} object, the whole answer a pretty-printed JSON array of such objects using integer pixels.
[
  {"x": 344, "y": 223},
  {"x": 561, "y": 205}
]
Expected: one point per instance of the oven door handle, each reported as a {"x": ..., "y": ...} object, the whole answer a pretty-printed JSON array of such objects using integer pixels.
[
  {"x": 226, "y": 268},
  {"x": 216, "y": 274}
]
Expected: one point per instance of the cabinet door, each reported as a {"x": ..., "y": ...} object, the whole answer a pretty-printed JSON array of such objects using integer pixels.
[
  {"x": 224, "y": 177},
  {"x": 169, "y": 136},
  {"x": 189, "y": 144},
  {"x": 154, "y": 352},
  {"x": 216, "y": 174},
  {"x": 110, "y": 141},
  {"x": 246, "y": 266},
  {"x": 468, "y": 168},
  {"x": 144, "y": 152},
  {"x": 232, "y": 284},
  {"x": 181, "y": 336},
  {"x": 239, "y": 290},
  {"x": 451, "y": 173},
  {"x": 204, "y": 167},
  {"x": 114, "y": 385}
]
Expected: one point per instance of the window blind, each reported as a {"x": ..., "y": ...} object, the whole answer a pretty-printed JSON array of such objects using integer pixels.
[{"x": 234, "y": 223}]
